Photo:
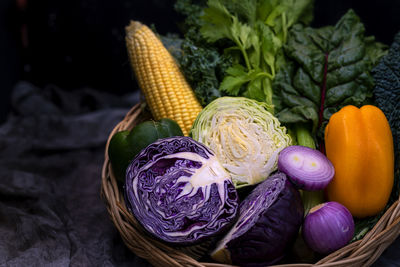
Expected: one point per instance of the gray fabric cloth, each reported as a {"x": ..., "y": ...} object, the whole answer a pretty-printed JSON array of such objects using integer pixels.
[{"x": 51, "y": 154}]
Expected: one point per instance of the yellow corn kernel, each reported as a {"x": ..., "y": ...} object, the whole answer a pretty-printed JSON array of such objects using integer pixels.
[{"x": 165, "y": 89}]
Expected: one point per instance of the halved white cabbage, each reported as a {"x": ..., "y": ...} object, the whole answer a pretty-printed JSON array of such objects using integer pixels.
[{"x": 245, "y": 137}]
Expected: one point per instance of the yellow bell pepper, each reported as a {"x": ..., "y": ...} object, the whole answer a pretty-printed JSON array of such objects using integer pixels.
[{"x": 359, "y": 144}]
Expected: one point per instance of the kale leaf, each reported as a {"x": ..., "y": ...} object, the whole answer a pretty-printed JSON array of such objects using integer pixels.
[
  {"x": 387, "y": 95},
  {"x": 203, "y": 64},
  {"x": 204, "y": 69}
]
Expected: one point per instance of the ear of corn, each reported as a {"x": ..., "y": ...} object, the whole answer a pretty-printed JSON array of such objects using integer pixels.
[{"x": 165, "y": 89}]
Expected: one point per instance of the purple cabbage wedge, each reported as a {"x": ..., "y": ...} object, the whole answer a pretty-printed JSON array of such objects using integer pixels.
[
  {"x": 179, "y": 192},
  {"x": 269, "y": 221}
]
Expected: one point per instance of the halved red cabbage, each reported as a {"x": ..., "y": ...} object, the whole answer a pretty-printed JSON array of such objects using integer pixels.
[
  {"x": 179, "y": 192},
  {"x": 269, "y": 221}
]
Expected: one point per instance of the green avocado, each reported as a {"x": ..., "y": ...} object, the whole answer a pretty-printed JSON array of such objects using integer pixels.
[{"x": 125, "y": 145}]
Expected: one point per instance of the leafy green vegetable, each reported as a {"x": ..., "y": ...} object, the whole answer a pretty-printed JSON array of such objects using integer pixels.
[
  {"x": 387, "y": 95},
  {"x": 173, "y": 44},
  {"x": 362, "y": 226},
  {"x": 192, "y": 12},
  {"x": 203, "y": 64},
  {"x": 330, "y": 68},
  {"x": 257, "y": 30},
  {"x": 204, "y": 68}
]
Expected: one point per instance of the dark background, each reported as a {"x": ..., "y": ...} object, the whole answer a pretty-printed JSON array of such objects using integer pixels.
[
  {"x": 80, "y": 43},
  {"x": 51, "y": 153}
]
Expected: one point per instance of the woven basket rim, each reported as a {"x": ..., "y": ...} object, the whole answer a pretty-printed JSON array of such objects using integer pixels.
[{"x": 363, "y": 252}]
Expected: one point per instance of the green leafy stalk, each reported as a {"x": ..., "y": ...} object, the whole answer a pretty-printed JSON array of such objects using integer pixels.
[
  {"x": 311, "y": 199},
  {"x": 303, "y": 135},
  {"x": 304, "y": 138},
  {"x": 257, "y": 29}
]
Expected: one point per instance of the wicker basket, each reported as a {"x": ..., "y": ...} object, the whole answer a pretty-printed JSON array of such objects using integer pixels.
[{"x": 360, "y": 253}]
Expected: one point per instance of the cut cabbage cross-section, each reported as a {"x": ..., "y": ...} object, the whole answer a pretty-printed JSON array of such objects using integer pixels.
[
  {"x": 179, "y": 192},
  {"x": 244, "y": 136},
  {"x": 269, "y": 221}
]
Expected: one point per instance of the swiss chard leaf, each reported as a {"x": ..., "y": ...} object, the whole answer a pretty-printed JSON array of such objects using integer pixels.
[{"x": 330, "y": 69}]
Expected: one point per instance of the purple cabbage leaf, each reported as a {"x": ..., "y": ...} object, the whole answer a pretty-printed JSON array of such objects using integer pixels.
[
  {"x": 269, "y": 221},
  {"x": 179, "y": 192}
]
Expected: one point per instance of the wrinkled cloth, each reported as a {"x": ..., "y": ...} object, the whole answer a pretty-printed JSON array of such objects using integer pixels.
[{"x": 51, "y": 155}]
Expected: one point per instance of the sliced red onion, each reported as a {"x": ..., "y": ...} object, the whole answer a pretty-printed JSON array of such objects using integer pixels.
[
  {"x": 328, "y": 227},
  {"x": 308, "y": 168}
]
